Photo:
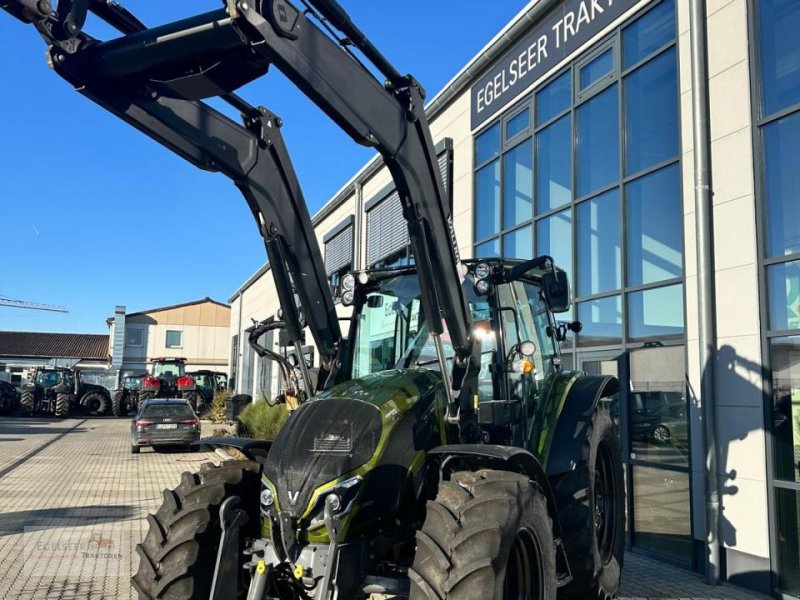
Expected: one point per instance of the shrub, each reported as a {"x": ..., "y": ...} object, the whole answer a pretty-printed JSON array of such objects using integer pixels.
[
  {"x": 262, "y": 421},
  {"x": 218, "y": 411}
]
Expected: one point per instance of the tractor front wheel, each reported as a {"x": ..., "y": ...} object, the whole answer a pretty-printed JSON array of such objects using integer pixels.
[
  {"x": 179, "y": 552},
  {"x": 118, "y": 404},
  {"x": 62, "y": 406},
  {"x": 27, "y": 403},
  {"x": 486, "y": 535},
  {"x": 591, "y": 505},
  {"x": 95, "y": 404}
]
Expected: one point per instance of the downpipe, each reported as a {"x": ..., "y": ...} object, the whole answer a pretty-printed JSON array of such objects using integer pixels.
[{"x": 706, "y": 294}]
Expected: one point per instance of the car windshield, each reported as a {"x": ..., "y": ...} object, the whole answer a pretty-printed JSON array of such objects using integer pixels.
[
  {"x": 392, "y": 332},
  {"x": 168, "y": 411},
  {"x": 168, "y": 370}
]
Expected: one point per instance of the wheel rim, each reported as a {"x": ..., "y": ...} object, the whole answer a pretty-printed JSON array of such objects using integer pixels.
[
  {"x": 94, "y": 405},
  {"x": 605, "y": 494},
  {"x": 524, "y": 579},
  {"x": 661, "y": 434}
]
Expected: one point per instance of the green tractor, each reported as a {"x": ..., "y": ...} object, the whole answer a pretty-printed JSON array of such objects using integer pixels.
[
  {"x": 199, "y": 387},
  {"x": 126, "y": 397},
  {"x": 441, "y": 451},
  {"x": 50, "y": 391}
]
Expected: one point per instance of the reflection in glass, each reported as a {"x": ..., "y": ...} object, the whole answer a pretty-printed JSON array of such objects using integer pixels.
[
  {"x": 517, "y": 124},
  {"x": 656, "y": 313},
  {"x": 649, "y": 33},
  {"x": 601, "y": 320},
  {"x": 554, "y": 165},
  {"x": 597, "y": 68},
  {"x": 779, "y": 22},
  {"x": 784, "y": 295},
  {"x": 518, "y": 184},
  {"x": 661, "y": 512},
  {"x": 782, "y": 185},
  {"x": 785, "y": 353},
  {"x": 554, "y": 238},
  {"x": 487, "y": 144},
  {"x": 651, "y": 113},
  {"x": 599, "y": 251},
  {"x": 788, "y": 509},
  {"x": 490, "y": 249},
  {"x": 554, "y": 98},
  {"x": 654, "y": 223},
  {"x": 487, "y": 201},
  {"x": 518, "y": 243},
  {"x": 598, "y": 142},
  {"x": 658, "y": 407}
]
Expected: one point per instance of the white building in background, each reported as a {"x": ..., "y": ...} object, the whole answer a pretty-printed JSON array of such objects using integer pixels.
[{"x": 198, "y": 331}]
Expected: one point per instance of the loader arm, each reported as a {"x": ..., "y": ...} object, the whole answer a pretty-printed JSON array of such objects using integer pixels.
[
  {"x": 215, "y": 53},
  {"x": 252, "y": 154}
]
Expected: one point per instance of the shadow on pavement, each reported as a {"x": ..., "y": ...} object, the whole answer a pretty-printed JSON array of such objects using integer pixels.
[
  {"x": 34, "y": 426},
  {"x": 70, "y": 516}
]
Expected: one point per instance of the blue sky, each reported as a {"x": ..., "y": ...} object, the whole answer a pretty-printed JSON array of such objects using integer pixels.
[{"x": 95, "y": 214}]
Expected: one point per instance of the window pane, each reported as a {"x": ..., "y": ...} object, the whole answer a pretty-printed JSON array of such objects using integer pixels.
[
  {"x": 784, "y": 295},
  {"x": 785, "y": 353},
  {"x": 518, "y": 184},
  {"x": 519, "y": 243},
  {"x": 597, "y": 68},
  {"x": 554, "y": 165},
  {"x": 487, "y": 144},
  {"x": 782, "y": 185},
  {"x": 649, "y": 33},
  {"x": 602, "y": 321},
  {"x": 554, "y": 238},
  {"x": 655, "y": 313},
  {"x": 598, "y": 142},
  {"x": 658, "y": 407},
  {"x": 661, "y": 512},
  {"x": 554, "y": 98},
  {"x": 651, "y": 113},
  {"x": 517, "y": 124},
  {"x": 487, "y": 200},
  {"x": 173, "y": 339},
  {"x": 654, "y": 222},
  {"x": 787, "y": 504},
  {"x": 490, "y": 249},
  {"x": 599, "y": 249},
  {"x": 779, "y": 22}
]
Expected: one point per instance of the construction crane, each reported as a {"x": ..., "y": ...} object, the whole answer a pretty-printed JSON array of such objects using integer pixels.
[{"x": 14, "y": 303}]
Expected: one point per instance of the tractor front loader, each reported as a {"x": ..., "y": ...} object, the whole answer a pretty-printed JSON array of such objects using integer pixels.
[{"x": 462, "y": 461}]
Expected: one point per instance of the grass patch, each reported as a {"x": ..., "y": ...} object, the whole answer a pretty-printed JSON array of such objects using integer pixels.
[{"x": 262, "y": 421}]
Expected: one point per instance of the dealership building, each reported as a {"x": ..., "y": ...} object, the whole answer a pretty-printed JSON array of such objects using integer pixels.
[{"x": 652, "y": 150}]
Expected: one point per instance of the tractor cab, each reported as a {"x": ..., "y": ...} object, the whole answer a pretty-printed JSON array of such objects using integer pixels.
[{"x": 168, "y": 368}]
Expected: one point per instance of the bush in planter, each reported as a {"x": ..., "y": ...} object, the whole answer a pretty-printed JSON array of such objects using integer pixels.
[
  {"x": 219, "y": 407},
  {"x": 262, "y": 421}
]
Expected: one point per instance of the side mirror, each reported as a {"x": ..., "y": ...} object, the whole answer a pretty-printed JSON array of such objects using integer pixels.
[
  {"x": 555, "y": 286},
  {"x": 527, "y": 348}
]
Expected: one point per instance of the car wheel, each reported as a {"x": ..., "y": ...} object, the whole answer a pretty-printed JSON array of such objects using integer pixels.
[{"x": 662, "y": 434}]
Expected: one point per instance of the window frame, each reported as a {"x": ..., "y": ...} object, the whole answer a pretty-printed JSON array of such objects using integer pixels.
[
  {"x": 130, "y": 330},
  {"x": 180, "y": 338}
]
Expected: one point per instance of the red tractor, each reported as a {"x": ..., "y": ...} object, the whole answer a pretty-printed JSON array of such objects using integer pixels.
[{"x": 167, "y": 379}]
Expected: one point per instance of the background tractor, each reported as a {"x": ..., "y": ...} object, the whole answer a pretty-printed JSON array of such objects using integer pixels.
[
  {"x": 442, "y": 450},
  {"x": 9, "y": 398},
  {"x": 59, "y": 391},
  {"x": 126, "y": 396},
  {"x": 199, "y": 387},
  {"x": 163, "y": 379}
]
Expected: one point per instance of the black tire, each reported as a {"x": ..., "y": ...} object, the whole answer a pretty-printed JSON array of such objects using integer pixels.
[
  {"x": 95, "y": 403},
  {"x": 591, "y": 504},
  {"x": 178, "y": 554},
  {"x": 662, "y": 434},
  {"x": 487, "y": 535},
  {"x": 192, "y": 398},
  {"x": 27, "y": 404},
  {"x": 62, "y": 406},
  {"x": 144, "y": 397},
  {"x": 118, "y": 404},
  {"x": 135, "y": 449}
]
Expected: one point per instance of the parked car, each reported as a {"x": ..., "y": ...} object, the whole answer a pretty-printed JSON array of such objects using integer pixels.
[
  {"x": 164, "y": 422},
  {"x": 9, "y": 398},
  {"x": 659, "y": 417}
]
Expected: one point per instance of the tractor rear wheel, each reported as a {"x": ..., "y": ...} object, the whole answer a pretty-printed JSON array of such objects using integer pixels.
[
  {"x": 144, "y": 397},
  {"x": 95, "y": 404},
  {"x": 62, "y": 405},
  {"x": 487, "y": 535},
  {"x": 192, "y": 398},
  {"x": 118, "y": 404},
  {"x": 179, "y": 552},
  {"x": 27, "y": 403},
  {"x": 591, "y": 505}
]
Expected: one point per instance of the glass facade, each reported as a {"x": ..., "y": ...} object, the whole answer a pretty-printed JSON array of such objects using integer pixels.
[
  {"x": 777, "y": 74},
  {"x": 587, "y": 170}
]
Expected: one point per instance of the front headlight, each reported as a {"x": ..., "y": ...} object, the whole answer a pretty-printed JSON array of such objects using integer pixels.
[
  {"x": 349, "y": 281},
  {"x": 340, "y": 498}
]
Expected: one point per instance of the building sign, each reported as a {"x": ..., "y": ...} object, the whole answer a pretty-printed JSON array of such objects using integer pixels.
[{"x": 562, "y": 31}]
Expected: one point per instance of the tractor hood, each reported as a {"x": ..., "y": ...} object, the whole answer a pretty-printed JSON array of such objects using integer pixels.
[{"x": 348, "y": 430}]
